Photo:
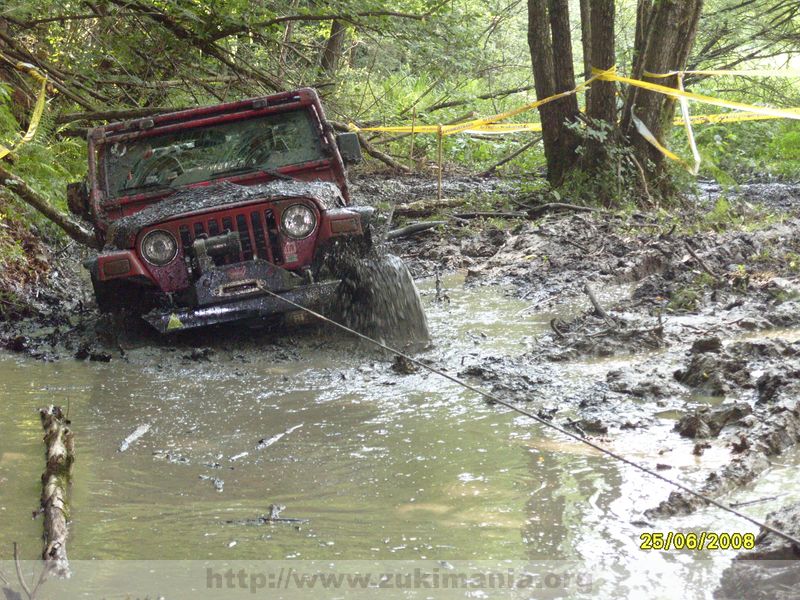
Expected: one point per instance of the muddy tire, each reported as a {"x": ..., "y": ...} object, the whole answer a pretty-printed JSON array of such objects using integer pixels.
[
  {"x": 378, "y": 297},
  {"x": 115, "y": 297}
]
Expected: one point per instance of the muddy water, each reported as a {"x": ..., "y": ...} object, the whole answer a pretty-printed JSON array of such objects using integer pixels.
[{"x": 383, "y": 465}]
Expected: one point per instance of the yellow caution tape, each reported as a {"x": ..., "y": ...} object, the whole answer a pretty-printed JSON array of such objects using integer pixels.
[
  {"x": 677, "y": 94},
  {"x": 478, "y": 123},
  {"x": 745, "y": 112},
  {"x": 737, "y": 117},
  {"x": 687, "y": 124},
  {"x": 38, "y": 109},
  {"x": 791, "y": 74},
  {"x": 488, "y": 124},
  {"x": 653, "y": 141},
  {"x": 683, "y": 96}
]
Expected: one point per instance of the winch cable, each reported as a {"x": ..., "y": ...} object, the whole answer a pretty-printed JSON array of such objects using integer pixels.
[{"x": 491, "y": 397}]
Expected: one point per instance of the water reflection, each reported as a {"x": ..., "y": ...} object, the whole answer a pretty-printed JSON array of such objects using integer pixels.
[{"x": 383, "y": 466}]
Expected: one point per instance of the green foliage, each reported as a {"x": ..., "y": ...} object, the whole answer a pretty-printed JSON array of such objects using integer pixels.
[{"x": 684, "y": 299}]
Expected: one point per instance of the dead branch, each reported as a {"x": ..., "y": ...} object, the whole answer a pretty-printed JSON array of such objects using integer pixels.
[
  {"x": 59, "y": 444},
  {"x": 701, "y": 262},
  {"x": 555, "y": 328},
  {"x": 20, "y": 576},
  {"x": 71, "y": 227},
  {"x": 30, "y": 594},
  {"x": 598, "y": 310},
  {"x": 55, "y": 77},
  {"x": 115, "y": 115},
  {"x": 488, "y": 96},
  {"x": 511, "y": 156},
  {"x": 492, "y": 214},
  {"x": 537, "y": 211},
  {"x": 413, "y": 229},
  {"x": 370, "y": 149},
  {"x": 208, "y": 46}
]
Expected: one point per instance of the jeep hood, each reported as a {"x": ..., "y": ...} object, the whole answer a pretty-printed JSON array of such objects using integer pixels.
[{"x": 122, "y": 233}]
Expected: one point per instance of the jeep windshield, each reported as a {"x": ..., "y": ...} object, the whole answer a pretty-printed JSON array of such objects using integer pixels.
[{"x": 201, "y": 154}]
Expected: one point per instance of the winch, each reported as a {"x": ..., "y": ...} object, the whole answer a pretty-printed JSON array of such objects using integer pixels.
[{"x": 206, "y": 249}]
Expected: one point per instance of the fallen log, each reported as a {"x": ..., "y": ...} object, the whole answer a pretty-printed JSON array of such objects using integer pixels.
[
  {"x": 536, "y": 211},
  {"x": 492, "y": 214},
  {"x": 59, "y": 444},
  {"x": 412, "y": 229},
  {"x": 21, "y": 190}
]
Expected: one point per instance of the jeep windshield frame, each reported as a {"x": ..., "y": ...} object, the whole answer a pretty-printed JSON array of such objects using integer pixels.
[{"x": 198, "y": 153}]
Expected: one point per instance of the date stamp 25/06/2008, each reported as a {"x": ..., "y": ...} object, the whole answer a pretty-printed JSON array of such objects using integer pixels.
[{"x": 696, "y": 541}]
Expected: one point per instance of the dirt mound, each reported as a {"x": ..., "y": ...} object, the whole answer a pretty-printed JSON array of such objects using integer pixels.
[{"x": 770, "y": 571}]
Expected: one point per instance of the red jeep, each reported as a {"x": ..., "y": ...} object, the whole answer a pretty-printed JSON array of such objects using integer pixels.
[{"x": 203, "y": 211}]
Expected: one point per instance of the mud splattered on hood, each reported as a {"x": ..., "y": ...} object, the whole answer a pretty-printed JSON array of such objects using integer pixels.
[{"x": 122, "y": 233}]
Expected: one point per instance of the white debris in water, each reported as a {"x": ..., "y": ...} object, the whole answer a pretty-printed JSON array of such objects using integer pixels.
[
  {"x": 266, "y": 443},
  {"x": 240, "y": 455},
  {"x": 232, "y": 544},
  {"x": 467, "y": 477},
  {"x": 139, "y": 432}
]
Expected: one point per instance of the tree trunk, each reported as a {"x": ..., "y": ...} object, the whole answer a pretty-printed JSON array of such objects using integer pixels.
[
  {"x": 586, "y": 43},
  {"x": 287, "y": 39},
  {"x": 665, "y": 45},
  {"x": 550, "y": 43},
  {"x": 329, "y": 63},
  {"x": 602, "y": 104}
]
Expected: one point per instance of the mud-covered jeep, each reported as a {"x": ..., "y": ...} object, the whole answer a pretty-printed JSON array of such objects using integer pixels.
[{"x": 203, "y": 212}]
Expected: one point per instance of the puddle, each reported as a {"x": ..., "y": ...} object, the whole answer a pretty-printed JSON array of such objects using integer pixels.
[{"x": 383, "y": 466}]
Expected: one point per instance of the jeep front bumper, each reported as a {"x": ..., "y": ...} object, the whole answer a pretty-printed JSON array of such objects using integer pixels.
[{"x": 314, "y": 296}]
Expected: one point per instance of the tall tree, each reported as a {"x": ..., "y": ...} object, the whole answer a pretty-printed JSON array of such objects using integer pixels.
[
  {"x": 602, "y": 103},
  {"x": 550, "y": 44},
  {"x": 668, "y": 31},
  {"x": 334, "y": 47},
  {"x": 665, "y": 33}
]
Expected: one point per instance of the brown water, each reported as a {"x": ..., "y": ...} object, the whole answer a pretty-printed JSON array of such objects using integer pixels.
[{"x": 384, "y": 466}]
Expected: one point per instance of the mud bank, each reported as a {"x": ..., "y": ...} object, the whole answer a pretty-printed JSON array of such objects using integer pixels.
[{"x": 771, "y": 571}]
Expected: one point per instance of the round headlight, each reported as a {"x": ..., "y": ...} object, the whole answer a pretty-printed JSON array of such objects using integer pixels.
[
  {"x": 298, "y": 221},
  {"x": 159, "y": 247}
]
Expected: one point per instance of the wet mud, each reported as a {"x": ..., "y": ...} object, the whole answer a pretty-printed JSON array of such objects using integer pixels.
[{"x": 645, "y": 326}]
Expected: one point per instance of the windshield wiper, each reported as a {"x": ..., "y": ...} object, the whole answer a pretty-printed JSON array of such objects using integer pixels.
[{"x": 242, "y": 170}]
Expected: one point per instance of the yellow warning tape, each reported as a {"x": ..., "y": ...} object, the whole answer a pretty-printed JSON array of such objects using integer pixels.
[
  {"x": 677, "y": 94},
  {"x": 683, "y": 97},
  {"x": 38, "y": 109},
  {"x": 486, "y": 124},
  {"x": 653, "y": 141},
  {"x": 790, "y": 74},
  {"x": 745, "y": 112}
]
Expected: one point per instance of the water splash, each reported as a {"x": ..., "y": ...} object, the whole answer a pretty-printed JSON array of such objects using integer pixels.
[{"x": 378, "y": 298}]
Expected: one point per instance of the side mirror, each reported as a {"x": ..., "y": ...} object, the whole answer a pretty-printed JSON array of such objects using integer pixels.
[
  {"x": 78, "y": 199},
  {"x": 349, "y": 148}
]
